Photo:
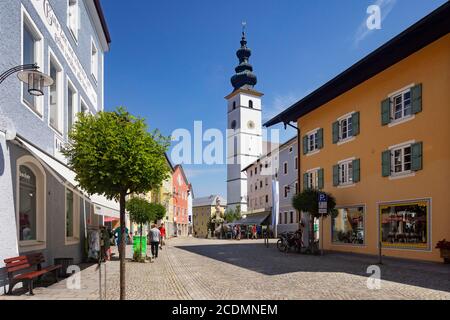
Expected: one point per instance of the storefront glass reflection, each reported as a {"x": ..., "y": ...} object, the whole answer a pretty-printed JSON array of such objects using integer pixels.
[{"x": 348, "y": 225}]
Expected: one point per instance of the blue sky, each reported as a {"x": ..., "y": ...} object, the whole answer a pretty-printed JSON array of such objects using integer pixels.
[{"x": 171, "y": 61}]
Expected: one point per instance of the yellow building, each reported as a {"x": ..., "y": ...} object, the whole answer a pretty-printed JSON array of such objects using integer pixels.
[
  {"x": 203, "y": 209},
  {"x": 376, "y": 138}
]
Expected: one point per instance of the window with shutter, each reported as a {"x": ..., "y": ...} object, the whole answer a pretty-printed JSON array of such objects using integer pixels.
[
  {"x": 335, "y": 175},
  {"x": 416, "y": 99},
  {"x": 320, "y": 179},
  {"x": 356, "y": 170},
  {"x": 305, "y": 181},
  {"x": 320, "y": 138},
  {"x": 416, "y": 153},
  {"x": 386, "y": 111},
  {"x": 386, "y": 163},
  {"x": 355, "y": 123},
  {"x": 335, "y": 128},
  {"x": 305, "y": 144}
]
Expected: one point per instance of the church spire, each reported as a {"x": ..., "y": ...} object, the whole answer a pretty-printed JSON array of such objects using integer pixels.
[{"x": 244, "y": 76}]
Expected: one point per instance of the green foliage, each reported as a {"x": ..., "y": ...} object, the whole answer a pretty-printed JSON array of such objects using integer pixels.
[
  {"x": 232, "y": 215},
  {"x": 307, "y": 201},
  {"x": 113, "y": 153},
  {"x": 139, "y": 210},
  {"x": 158, "y": 211}
]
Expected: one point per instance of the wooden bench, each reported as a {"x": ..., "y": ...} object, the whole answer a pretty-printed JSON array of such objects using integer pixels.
[{"x": 18, "y": 269}]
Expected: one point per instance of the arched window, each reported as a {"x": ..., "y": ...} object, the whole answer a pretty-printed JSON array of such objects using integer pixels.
[
  {"x": 30, "y": 203},
  {"x": 234, "y": 105},
  {"x": 250, "y": 104},
  {"x": 233, "y": 124},
  {"x": 27, "y": 204}
]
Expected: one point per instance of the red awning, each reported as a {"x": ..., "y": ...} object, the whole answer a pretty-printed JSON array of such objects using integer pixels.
[{"x": 110, "y": 219}]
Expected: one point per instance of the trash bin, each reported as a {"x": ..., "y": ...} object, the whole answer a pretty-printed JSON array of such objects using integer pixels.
[
  {"x": 137, "y": 245},
  {"x": 65, "y": 263}
]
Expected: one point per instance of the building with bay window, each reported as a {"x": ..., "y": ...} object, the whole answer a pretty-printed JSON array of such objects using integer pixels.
[
  {"x": 41, "y": 209},
  {"x": 375, "y": 137}
]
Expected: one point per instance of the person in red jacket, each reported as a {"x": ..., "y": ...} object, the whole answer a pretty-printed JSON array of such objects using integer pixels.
[{"x": 162, "y": 230}]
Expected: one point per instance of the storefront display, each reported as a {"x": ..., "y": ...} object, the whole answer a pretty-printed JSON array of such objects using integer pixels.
[
  {"x": 348, "y": 226},
  {"x": 405, "y": 224}
]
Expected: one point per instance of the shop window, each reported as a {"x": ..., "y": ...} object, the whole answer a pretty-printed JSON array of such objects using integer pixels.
[
  {"x": 30, "y": 204},
  {"x": 348, "y": 226},
  {"x": 72, "y": 216},
  {"x": 405, "y": 225}
]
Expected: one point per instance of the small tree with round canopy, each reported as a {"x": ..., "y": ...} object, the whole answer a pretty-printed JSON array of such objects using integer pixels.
[{"x": 140, "y": 213}]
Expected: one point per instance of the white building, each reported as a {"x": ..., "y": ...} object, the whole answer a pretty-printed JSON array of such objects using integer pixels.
[{"x": 244, "y": 128}]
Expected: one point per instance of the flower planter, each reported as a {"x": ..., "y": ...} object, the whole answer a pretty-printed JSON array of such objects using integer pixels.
[{"x": 445, "y": 254}]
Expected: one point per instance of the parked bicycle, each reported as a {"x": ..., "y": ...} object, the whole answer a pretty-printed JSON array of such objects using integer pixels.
[{"x": 288, "y": 240}]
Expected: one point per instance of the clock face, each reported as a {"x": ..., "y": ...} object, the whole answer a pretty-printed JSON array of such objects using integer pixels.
[{"x": 251, "y": 124}]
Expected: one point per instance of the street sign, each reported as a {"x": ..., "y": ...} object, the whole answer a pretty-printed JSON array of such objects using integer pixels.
[{"x": 323, "y": 203}]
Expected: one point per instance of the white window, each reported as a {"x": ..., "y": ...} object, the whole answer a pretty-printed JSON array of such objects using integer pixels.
[
  {"x": 312, "y": 141},
  {"x": 401, "y": 159},
  {"x": 291, "y": 216},
  {"x": 56, "y": 101},
  {"x": 346, "y": 172},
  {"x": 345, "y": 128},
  {"x": 285, "y": 168},
  {"x": 296, "y": 163},
  {"x": 31, "y": 53},
  {"x": 401, "y": 105},
  {"x": 290, "y": 149},
  {"x": 72, "y": 217},
  {"x": 94, "y": 61},
  {"x": 71, "y": 105},
  {"x": 312, "y": 179},
  {"x": 73, "y": 17}
]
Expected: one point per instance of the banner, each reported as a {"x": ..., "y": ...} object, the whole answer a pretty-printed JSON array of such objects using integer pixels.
[{"x": 275, "y": 206}]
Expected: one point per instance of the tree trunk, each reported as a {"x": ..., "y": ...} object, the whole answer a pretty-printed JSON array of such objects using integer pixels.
[
  {"x": 140, "y": 243},
  {"x": 311, "y": 232},
  {"x": 122, "y": 245}
]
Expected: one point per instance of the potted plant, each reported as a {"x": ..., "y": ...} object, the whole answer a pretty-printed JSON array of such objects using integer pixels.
[{"x": 444, "y": 247}]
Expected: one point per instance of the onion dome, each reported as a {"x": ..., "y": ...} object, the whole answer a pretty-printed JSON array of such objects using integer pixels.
[{"x": 244, "y": 76}]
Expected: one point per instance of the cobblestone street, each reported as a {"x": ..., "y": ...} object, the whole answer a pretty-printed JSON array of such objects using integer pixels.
[{"x": 192, "y": 268}]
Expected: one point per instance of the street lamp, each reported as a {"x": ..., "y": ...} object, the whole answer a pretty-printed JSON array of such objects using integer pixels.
[{"x": 29, "y": 74}]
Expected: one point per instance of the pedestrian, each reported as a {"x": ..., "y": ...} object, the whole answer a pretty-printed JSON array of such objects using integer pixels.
[
  {"x": 235, "y": 232},
  {"x": 162, "y": 230},
  {"x": 105, "y": 244},
  {"x": 254, "y": 235},
  {"x": 238, "y": 232},
  {"x": 155, "y": 237},
  {"x": 118, "y": 236}
]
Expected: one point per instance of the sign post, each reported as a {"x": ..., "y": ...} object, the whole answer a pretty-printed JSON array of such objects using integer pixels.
[{"x": 323, "y": 209}]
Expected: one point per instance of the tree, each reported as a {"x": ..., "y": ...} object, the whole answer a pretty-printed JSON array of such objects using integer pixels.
[
  {"x": 158, "y": 211},
  {"x": 232, "y": 215},
  {"x": 113, "y": 154},
  {"x": 308, "y": 201},
  {"x": 140, "y": 213}
]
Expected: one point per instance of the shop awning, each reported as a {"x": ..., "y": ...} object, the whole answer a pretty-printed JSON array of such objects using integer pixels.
[
  {"x": 102, "y": 206},
  {"x": 105, "y": 207},
  {"x": 262, "y": 218},
  {"x": 60, "y": 171}
]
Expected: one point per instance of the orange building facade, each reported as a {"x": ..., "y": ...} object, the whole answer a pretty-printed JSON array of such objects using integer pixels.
[{"x": 380, "y": 146}]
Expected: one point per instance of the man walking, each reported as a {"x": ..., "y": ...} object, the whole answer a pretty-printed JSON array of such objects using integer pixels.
[{"x": 155, "y": 237}]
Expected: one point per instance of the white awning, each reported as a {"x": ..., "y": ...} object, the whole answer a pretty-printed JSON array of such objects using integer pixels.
[
  {"x": 105, "y": 207},
  {"x": 62, "y": 173}
]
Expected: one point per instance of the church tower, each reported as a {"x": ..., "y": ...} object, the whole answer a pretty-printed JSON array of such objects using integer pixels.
[{"x": 244, "y": 128}]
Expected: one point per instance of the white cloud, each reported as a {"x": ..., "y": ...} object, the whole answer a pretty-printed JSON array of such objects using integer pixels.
[{"x": 363, "y": 31}]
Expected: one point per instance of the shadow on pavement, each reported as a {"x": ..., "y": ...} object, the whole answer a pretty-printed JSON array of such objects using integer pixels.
[{"x": 269, "y": 261}]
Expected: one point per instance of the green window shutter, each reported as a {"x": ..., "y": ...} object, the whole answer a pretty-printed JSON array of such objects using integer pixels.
[
  {"x": 416, "y": 156},
  {"x": 355, "y": 123},
  {"x": 386, "y": 163},
  {"x": 336, "y": 175},
  {"x": 305, "y": 181},
  {"x": 320, "y": 178},
  {"x": 335, "y": 132},
  {"x": 386, "y": 111},
  {"x": 320, "y": 138},
  {"x": 356, "y": 170},
  {"x": 305, "y": 144},
  {"x": 416, "y": 98}
]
